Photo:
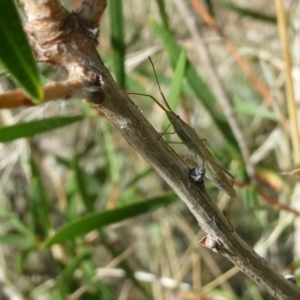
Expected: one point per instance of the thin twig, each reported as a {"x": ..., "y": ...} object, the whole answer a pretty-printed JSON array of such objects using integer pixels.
[{"x": 52, "y": 91}]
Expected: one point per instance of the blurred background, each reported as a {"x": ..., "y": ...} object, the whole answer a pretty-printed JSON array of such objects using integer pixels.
[{"x": 83, "y": 216}]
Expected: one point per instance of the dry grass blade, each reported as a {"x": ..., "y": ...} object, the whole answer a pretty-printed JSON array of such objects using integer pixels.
[{"x": 294, "y": 173}]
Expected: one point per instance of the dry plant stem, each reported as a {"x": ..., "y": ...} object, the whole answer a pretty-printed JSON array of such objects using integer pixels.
[
  {"x": 216, "y": 83},
  {"x": 292, "y": 106},
  {"x": 261, "y": 88},
  {"x": 105, "y": 94},
  {"x": 52, "y": 91},
  {"x": 277, "y": 205}
]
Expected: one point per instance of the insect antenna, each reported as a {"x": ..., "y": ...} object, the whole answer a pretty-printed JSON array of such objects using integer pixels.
[
  {"x": 162, "y": 94},
  {"x": 150, "y": 96}
]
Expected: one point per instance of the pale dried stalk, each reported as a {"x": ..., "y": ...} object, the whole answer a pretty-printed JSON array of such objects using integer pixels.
[
  {"x": 105, "y": 94},
  {"x": 290, "y": 97}
]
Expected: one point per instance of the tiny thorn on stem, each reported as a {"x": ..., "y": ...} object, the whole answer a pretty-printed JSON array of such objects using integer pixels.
[
  {"x": 197, "y": 174},
  {"x": 210, "y": 243}
]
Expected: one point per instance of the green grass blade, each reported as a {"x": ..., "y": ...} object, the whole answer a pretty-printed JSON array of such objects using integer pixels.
[
  {"x": 115, "y": 9},
  {"x": 249, "y": 13},
  {"x": 253, "y": 290},
  {"x": 109, "y": 152},
  {"x": 123, "y": 264},
  {"x": 134, "y": 86},
  {"x": 81, "y": 185},
  {"x": 15, "y": 52},
  {"x": 99, "y": 219},
  {"x": 254, "y": 109},
  {"x": 21, "y": 258},
  {"x": 163, "y": 13},
  {"x": 210, "y": 8},
  {"x": 71, "y": 196},
  {"x": 16, "y": 240},
  {"x": 176, "y": 84},
  {"x": 15, "y": 221},
  {"x": 26, "y": 129},
  {"x": 199, "y": 87},
  {"x": 100, "y": 288},
  {"x": 74, "y": 265},
  {"x": 143, "y": 174},
  {"x": 39, "y": 211}
]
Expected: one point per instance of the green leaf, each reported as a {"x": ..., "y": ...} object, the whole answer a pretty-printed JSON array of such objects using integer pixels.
[
  {"x": 200, "y": 88},
  {"x": 26, "y": 129},
  {"x": 115, "y": 9},
  {"x": 15, "y": 52},
  {"x": 97, "y": 220}
]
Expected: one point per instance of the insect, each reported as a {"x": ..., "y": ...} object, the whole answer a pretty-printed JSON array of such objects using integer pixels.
[{"x": 214, "y": 171}]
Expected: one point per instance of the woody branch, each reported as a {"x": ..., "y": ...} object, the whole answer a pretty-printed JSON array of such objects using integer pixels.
[{"x": 68, "y": 40}]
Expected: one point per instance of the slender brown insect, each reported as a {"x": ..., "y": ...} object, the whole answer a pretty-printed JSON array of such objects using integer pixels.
[{"x": 214, "y": 171}]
